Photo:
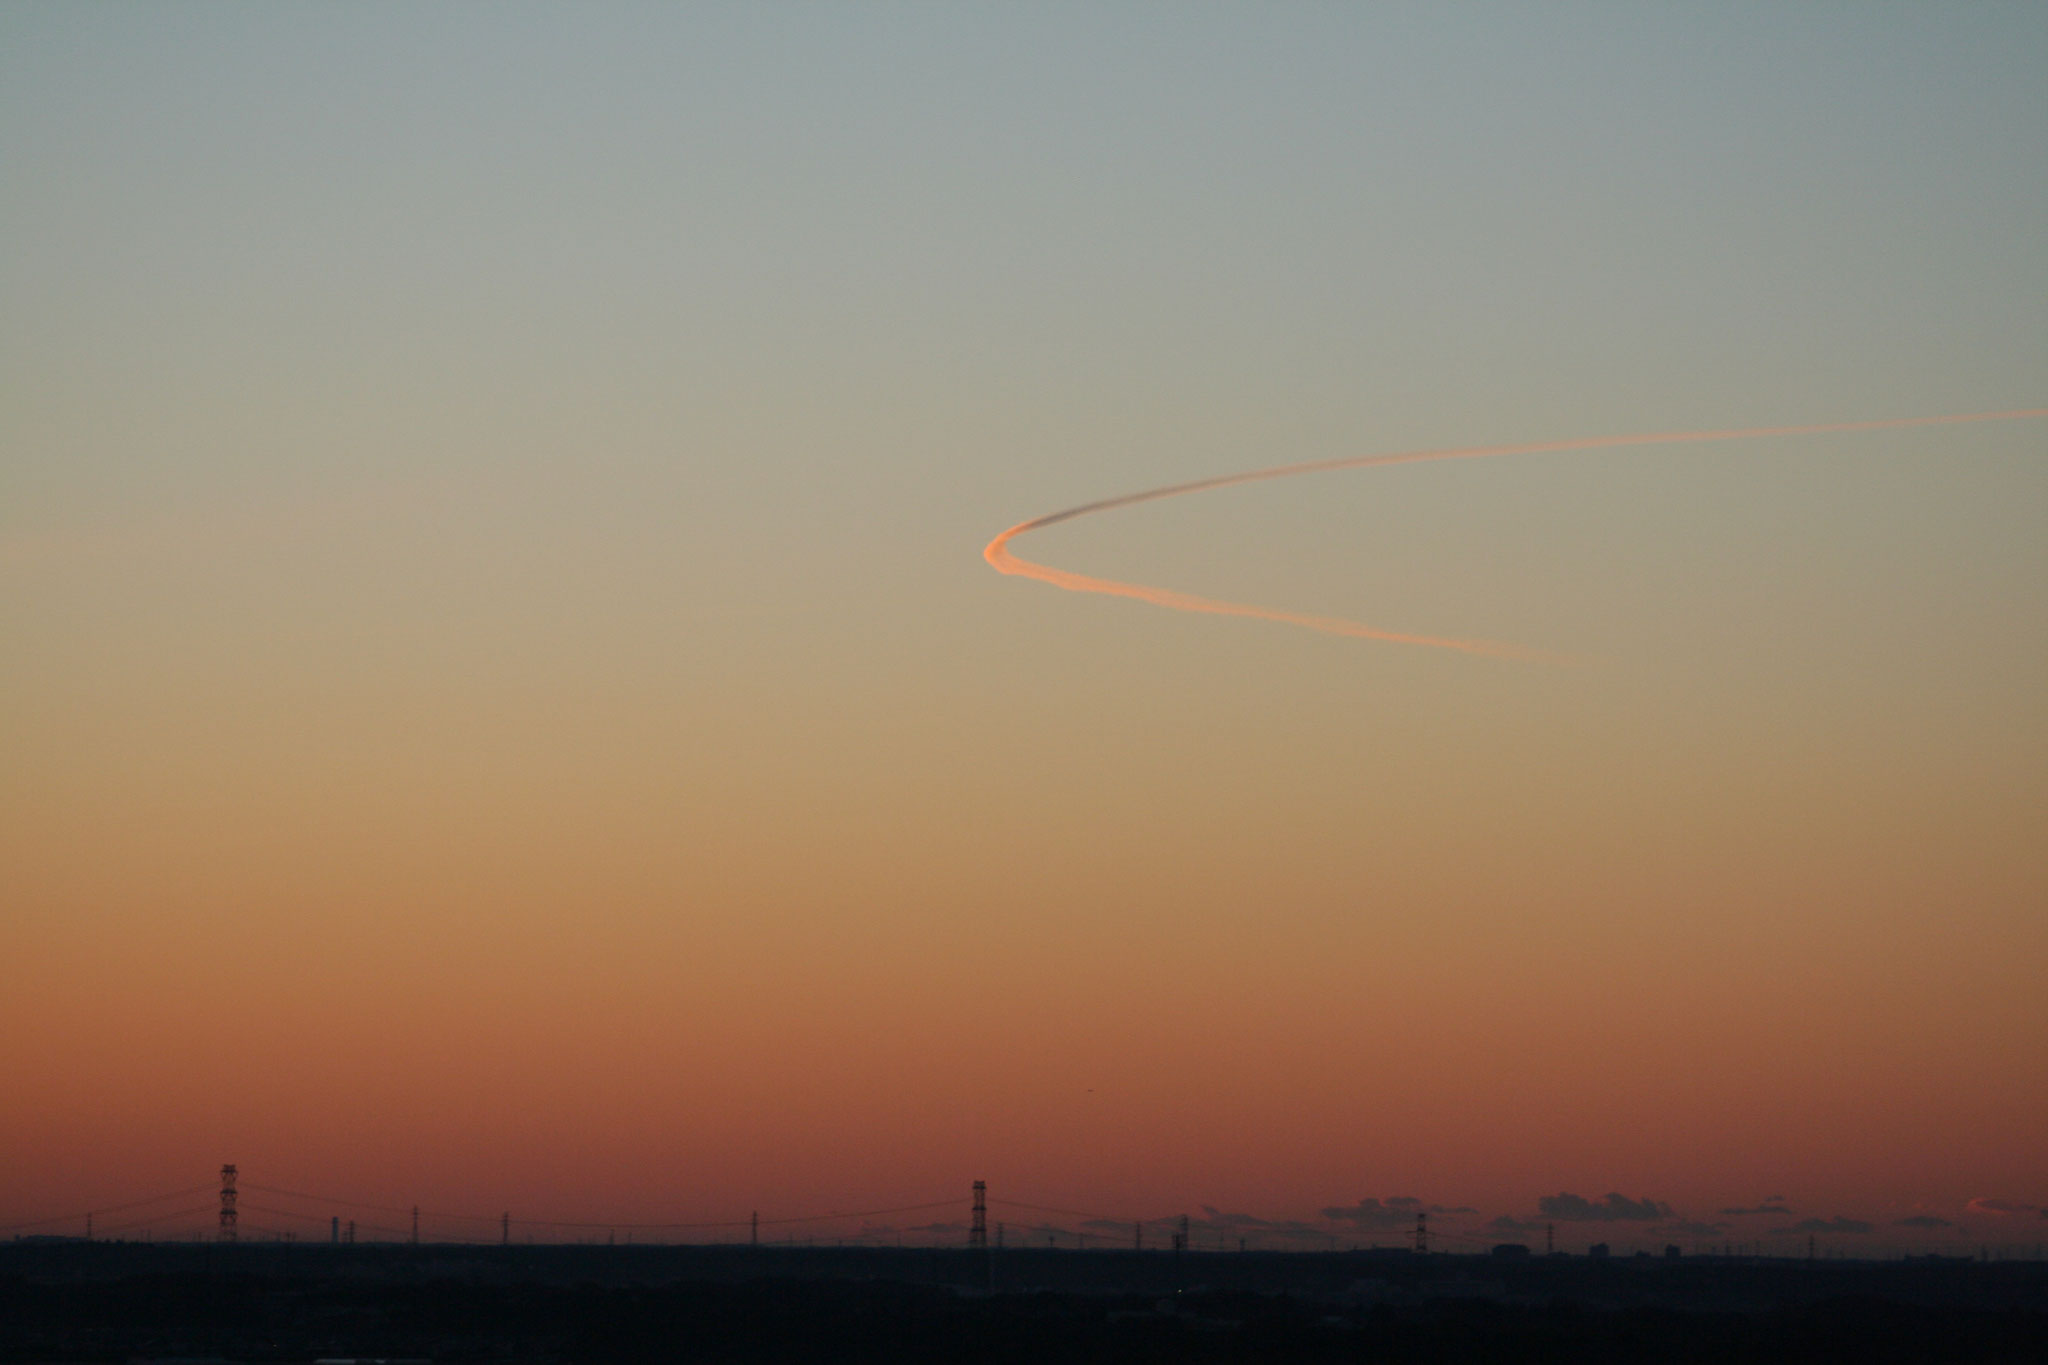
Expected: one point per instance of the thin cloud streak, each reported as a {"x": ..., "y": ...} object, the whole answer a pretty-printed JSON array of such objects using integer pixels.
[
  {"x": 2002, "y": 1206},
  {"x": 999, "y": 557}
]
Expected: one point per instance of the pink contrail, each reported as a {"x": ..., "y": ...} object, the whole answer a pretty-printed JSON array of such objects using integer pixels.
[{"x": 999, "y": 557}]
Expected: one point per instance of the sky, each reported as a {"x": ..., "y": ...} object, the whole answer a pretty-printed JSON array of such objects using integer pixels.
[{"x": 504, "y": 707}]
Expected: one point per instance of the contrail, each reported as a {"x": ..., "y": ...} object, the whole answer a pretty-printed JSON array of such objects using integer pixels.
[{"x": 999, "y": 557}]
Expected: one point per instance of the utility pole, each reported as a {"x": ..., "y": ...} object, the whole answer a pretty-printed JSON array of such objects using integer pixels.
[
  {"x": 977, "y": 1231},
  {"x": 1421, "y": 1233},
  {"x": 227, "y": 1203}
]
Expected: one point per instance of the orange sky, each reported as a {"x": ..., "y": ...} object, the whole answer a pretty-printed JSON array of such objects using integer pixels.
[{"x": 503, "y": 708}]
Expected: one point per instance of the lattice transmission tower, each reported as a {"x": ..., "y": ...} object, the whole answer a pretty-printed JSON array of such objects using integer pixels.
[{"x": 227, "y": 1203}]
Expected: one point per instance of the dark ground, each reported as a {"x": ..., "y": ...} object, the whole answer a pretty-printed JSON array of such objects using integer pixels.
[{"x": 75, "y": 1301}]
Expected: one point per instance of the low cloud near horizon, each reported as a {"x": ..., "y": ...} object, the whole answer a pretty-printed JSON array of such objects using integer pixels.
[
  {"x": 1838, "y": 1224},
  {"x": 1572, "y": 1208},
  {"x": 1397, "y": 1211}
]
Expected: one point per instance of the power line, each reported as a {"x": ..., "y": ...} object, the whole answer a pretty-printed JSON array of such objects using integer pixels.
[
  {"x": 285, "y": 1213},
  {"x": 1082, "y": 1213},
  {"x": 111, "y": 1208},
  {"x": 588, "y": 1223},
  {"x": 802, "y": 1218},
  {"x": 740, "y": 1222},
  {"x": 1071, "y": 1213},
  {"x": 1102, "y": 1221},
  {"x": 364, "y": 1204},
  {"x": 158, "y": 1218}
]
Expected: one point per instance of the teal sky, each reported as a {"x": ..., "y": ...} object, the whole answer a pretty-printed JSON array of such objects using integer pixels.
[{"x": 460, "y": 462}]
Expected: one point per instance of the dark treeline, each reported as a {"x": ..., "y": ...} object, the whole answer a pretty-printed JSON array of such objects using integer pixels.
[{"x": 113, "y": 1302}]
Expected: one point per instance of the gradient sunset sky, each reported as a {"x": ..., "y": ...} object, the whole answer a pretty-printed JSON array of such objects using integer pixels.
[{"x": 503, "y": 706}]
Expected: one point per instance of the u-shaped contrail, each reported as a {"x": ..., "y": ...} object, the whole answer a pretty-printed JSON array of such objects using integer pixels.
[{"x": 999, "y": 557}]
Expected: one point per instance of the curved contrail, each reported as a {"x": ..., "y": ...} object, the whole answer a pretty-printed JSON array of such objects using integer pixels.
[{"x": 999, "y": 557}]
